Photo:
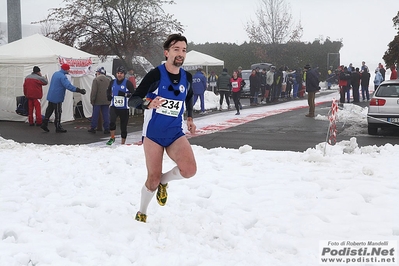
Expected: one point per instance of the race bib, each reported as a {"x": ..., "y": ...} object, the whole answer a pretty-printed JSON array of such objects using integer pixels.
[
  {"x": 234, "y": 84},
  {"x": 212, "y": 83},
  {"x": 170, "y": 107},
  {"x": 119, "y": 101}
]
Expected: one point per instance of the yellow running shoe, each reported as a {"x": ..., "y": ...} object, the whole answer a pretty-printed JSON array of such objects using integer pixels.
[
  {"x": 141, "y": 217},
  {"x": 162, "y": 194}
]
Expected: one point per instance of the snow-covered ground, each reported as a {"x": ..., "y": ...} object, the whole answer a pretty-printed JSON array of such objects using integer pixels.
[{"x": 75, "y": 205}]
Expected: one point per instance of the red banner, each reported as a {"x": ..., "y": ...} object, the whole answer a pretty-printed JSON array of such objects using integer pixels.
[{"x": 78, "y": 67}]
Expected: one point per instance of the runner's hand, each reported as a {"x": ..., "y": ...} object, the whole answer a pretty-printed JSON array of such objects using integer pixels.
[
  {"x": 190, "y": 125},
  {"x": 156, "y": 103}
]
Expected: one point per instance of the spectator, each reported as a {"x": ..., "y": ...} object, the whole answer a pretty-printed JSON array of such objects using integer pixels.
[
  {"x": 301, "y": 93},
  {"x": 289, "y": 83},
  {"x": 355, "y": 82},
  {"x": 350, "y": 68},
  {"x": 378, "y": 79},
  {"x": 363, "y": 67},
  {"x": 237, "y": 84},
  {"x": 98, "y": 98},
  {"x": 131, "y": 77},
  {"x": 330, "y": 77},
  {"x": 263, "y": 76},
  {"x": 118, "y": 92},
  {"x": 364, "y": 82},
  {"x": 239, "y": 72},
  {"x": 55, "y": 97},
  {"x": 33, "y": 91},
  {"x": 199, "y": 87},
  {"x": 269, "y": 83},
  {"x": 278, "y": 80},
  {"x": 223, "y": 85},
  {"x": 382, "y": 71},
  {"x": 295, "y": 83},
  {"x": 212, "y": 81},
  {"x": 394, "y": 73},
  {"x": 254, "y": 85},
  {"x": 312, "y": 86},
  {"x": 284, "y": 83},
  {"x": 343, "y": 83}
]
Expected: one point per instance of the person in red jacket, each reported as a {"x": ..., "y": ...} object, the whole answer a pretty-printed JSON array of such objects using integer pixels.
[
  {"x": 394, "y": 73},
  {"x": 33, "y": 91}
]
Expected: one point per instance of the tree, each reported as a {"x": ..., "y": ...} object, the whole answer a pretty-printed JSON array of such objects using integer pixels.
[
  {"x": 275, "y": 24},
  {"x": 391, "y": 56},
  {"x": 125, "y": 28}
]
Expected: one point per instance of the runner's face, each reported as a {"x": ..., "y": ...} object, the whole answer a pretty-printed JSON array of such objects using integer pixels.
[
  {"x": 176, "y": 53},
  {"x": 120, "y": 75}
]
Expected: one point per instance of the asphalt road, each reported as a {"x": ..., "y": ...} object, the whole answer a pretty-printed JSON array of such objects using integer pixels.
[{"x": 288, "y": 131}]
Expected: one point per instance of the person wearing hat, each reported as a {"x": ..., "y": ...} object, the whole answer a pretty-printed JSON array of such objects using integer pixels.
[
  {"x": 33, "y": 91},
  {"x": 118, "y": 92},
  {"x": 99, "y": 100},
  {"x": 312, "y": 86},
  {"x": 56, "y": 95}
]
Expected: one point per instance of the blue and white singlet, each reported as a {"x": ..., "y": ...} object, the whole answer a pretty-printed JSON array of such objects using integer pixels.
[{"x": 166, "y": 122}]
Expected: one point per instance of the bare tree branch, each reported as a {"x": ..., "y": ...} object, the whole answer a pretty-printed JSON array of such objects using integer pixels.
[
  {"x": 113, "y": 27},
  {"x": 274, "y": 24}
]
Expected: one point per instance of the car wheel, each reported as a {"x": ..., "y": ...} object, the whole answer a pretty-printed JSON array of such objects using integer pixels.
[{"x": 372, "y": 130}]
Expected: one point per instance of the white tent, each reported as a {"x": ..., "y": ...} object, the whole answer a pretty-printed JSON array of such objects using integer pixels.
[
  {"x": 17, "y": 60},
  {"x": 196, "y": 59}
]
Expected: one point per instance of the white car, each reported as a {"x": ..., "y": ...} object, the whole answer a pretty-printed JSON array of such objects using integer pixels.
[{"x": 384, "y": 107}]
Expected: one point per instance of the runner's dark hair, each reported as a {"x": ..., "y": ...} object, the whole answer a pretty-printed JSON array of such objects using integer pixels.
[{"x": 172, "y": 39}]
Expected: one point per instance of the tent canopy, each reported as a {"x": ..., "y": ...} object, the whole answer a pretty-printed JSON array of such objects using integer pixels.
[
  {"x": 39, "y": 49},
  {"x": 194, "y": 58},
  {"x": 17, "y": 60}
]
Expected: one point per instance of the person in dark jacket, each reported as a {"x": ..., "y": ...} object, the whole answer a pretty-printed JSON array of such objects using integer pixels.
[
  {"x": 312, "y": 86},
  {"x": 224, "y": 88},
  {"x": 33, "y": 91},
  {"x": 99, "y": 100},
  {"x": 254, "y": 86},
  {"x": 343, "y": 83},
  {"x": 382, "y": 71},
  {"x": 199, "y": 87},
  {"x": 355, "y": 82},
  {"x": 365, "y": 82},
  {"x": 56, "y": 95}
]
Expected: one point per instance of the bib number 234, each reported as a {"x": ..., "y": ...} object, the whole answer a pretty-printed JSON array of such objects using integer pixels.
[{"x": 170, "y": 107}]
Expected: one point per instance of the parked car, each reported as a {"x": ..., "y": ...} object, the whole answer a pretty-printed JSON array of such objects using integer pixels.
[
  {"x": 384, "y": 107},
  {"x": 246, "y": 73},
  {"x": 261, "y": 66}
]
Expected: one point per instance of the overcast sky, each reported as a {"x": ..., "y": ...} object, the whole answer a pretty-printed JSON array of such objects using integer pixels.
[{"x": 365, "y": 27}]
